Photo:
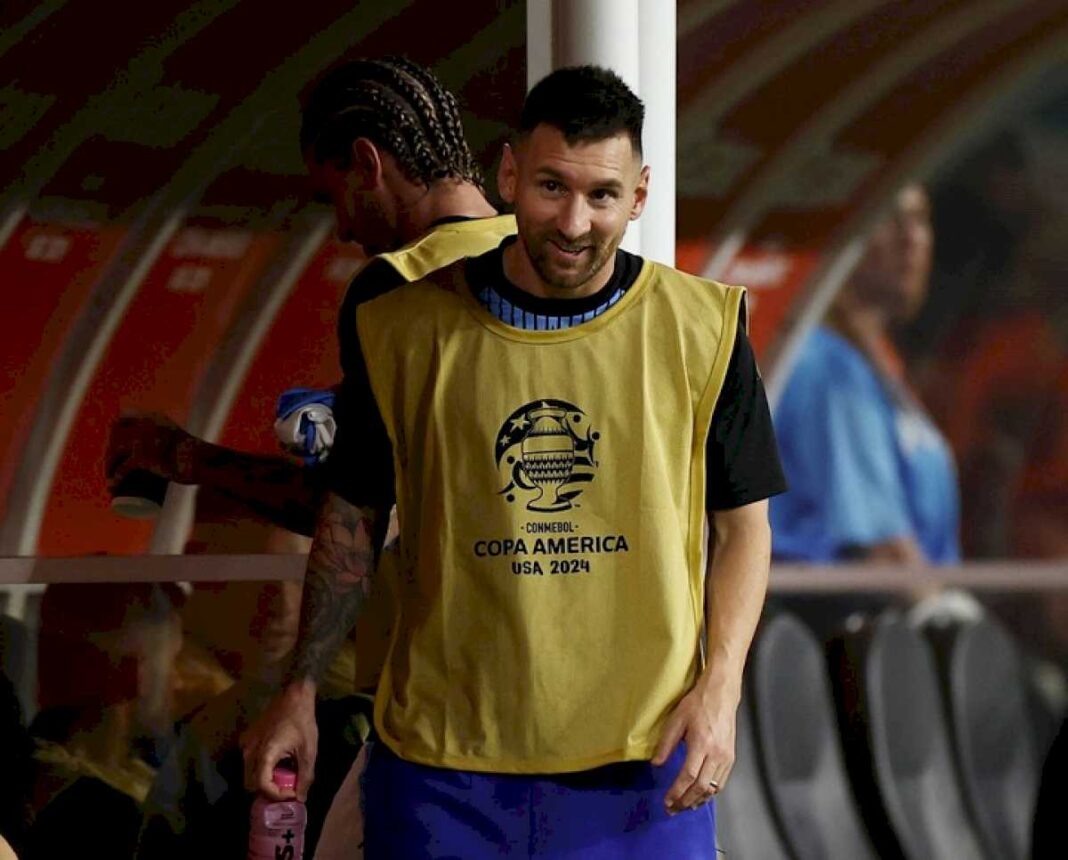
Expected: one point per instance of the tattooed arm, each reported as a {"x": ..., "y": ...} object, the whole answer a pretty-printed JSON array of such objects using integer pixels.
[
  {"x": 274, "y": 488},
  {"x": 347, "y": 538},
  {"x": 338, "y": 579}
]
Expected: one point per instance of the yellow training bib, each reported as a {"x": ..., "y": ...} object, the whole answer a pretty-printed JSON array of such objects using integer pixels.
[{"x": 550, "y": 490}]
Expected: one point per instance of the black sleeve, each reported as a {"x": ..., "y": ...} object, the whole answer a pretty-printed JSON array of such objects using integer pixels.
[
  {"x": 741, "y": 455},
  {"x": 374, "y": 279},
  {"x": 360, "y": 465}
]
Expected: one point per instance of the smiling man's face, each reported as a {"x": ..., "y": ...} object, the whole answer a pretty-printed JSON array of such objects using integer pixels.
[{"x": 572, "y": 206}]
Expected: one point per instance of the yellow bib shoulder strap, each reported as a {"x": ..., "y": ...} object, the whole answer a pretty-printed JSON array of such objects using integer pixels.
[{"x": 447, "y": 243}]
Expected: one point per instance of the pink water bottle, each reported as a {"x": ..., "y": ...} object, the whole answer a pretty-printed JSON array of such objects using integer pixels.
[{"x": 277, "y": 831}]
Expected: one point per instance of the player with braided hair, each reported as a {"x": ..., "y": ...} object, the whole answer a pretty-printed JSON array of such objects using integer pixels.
[{"x": 383, "y": 142}]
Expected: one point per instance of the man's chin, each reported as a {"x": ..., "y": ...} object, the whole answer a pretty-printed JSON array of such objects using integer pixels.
[
  {"x": 561, "y": 278},
  {"x": 566, "y": 282}
]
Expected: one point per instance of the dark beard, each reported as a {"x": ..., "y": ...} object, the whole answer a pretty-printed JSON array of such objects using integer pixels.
[{"x": 602, "y": 254}]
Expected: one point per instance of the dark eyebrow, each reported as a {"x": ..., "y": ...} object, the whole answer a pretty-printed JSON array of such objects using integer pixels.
[{"x": 610, "y": 184}]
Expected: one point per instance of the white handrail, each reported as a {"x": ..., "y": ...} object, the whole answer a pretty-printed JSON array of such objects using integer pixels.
[{"x": 1004, "y": 575}]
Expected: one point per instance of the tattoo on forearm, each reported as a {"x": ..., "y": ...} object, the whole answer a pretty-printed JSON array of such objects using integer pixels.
[{"x": 338, "y": 579}]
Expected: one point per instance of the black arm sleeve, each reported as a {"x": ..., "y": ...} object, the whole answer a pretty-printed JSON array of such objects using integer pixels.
[
  {"x": 741, "y": 455},
  {"x": 374, "y": 279},
  {"x": 360, "y": 465}
]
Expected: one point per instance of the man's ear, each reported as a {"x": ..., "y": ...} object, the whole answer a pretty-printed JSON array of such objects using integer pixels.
[
  {"x": 507, "y": 175},
  {"x": 366, "y": 164},
  {"x": 641, "y": 194}
]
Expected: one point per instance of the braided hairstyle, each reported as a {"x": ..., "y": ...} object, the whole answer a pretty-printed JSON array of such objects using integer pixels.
[{"x": 398, "y": 105}]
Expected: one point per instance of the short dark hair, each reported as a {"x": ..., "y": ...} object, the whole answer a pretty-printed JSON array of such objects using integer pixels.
[
  {"x": 397, "y": 104},
  {"x": 586, "y": 103}
]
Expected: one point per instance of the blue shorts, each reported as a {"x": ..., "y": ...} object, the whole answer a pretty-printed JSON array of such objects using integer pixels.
[{"x": 614, "y": 812}]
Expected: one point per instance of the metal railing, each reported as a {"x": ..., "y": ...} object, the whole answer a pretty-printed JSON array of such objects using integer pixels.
[{"x": 1005, "y": 575}]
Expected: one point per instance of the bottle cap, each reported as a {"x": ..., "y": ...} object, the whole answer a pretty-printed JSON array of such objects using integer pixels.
[
  {"x": 139, "y": 495},
  {"x": 283, "y": 777}
]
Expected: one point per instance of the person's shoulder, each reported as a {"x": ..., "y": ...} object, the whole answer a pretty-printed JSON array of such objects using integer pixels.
[
  {"x": 379, "y": 281},
  {"x": 376, "y": 278},
  {"x": 499, "y": 226},
  {"x": 827, "y": 358},
  {"x": 496, "y": 227},
  {"x": 449, "y": 280},
  {"x": 694, "y": 297},
  {"x": 677, "y": 279},
  {"x": 412, "y": 299}
]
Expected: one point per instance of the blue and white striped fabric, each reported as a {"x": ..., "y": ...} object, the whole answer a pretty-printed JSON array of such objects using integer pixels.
[{"x": 508, "y": 313}]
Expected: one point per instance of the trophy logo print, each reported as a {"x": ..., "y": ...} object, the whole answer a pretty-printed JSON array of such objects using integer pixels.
[{"x": 545, "y": 452}]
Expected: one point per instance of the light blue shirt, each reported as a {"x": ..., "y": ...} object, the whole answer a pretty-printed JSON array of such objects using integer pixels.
[{"x": 863, "y": 462}]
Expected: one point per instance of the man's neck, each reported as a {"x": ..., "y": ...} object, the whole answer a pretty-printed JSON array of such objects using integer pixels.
[
  {"x": 444, "y": 199},
  {"x": 867, "y": 328}
]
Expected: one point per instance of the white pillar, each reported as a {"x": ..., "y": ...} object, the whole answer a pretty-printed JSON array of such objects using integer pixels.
[
  {"x": 539, "y": 40},
  {"x": 601, "y": 32},
  {"x": 657, "y": 35},
  {"x": 636, "y": 39}
]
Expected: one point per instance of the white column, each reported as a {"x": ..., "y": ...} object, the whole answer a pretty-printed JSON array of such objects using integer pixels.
[
  {"x": 636, "y": 39},
  {"x": 601, "y": 32},
  {"x": 539, "y": 40},
  {"x": 656, "y": 46}
]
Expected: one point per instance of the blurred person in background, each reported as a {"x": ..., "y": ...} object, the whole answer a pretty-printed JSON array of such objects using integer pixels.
[
  {"x": 986, "y": 350},
  {"x": 870, "y": 476},
  {"x": 105, "y": 679},
  {"x": 991, "y": 352}
]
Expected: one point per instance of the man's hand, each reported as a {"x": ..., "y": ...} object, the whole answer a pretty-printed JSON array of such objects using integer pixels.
[
  {"x": 151, "y": 443},
  {"x": 286, "y": 730},
  {"x": 705, "y": 720},
  {"x": 735, "y": 585}
]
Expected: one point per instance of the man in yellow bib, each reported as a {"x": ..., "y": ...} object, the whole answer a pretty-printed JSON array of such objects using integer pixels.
[{"x": 553, "y": 420}]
